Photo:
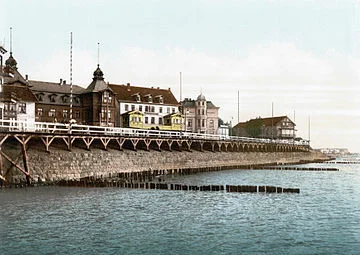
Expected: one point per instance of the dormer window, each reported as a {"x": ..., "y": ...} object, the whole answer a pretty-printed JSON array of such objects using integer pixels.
[
  {"x": 65, "y": 98},
  {"x": 77, "y": 100},
  {"x": 136, "y": 97},
  {"x": 149, "y": 98},
  {"x": 52, "y": 97},
  {"x": 40, "y": 96},
  {"x": 160, "y": 99}
]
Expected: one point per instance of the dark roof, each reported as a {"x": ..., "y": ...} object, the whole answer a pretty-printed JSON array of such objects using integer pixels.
[
  {"x": 267, "y": 122},
  {"x": 54, "y": 87},
  {"x": 20, "y": 91},
  {"x": 191, "y": 103},
  {"x": 210, "y": 105},
  {"x": 127, "y": 92},
  {"x": 98, "y": 83}
]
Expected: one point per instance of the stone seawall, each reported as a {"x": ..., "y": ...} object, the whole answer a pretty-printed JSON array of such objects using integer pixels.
[{"x": 61, "y": 164}]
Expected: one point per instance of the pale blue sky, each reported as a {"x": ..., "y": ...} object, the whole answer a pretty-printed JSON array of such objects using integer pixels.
[{"x": 301, "y": 55}]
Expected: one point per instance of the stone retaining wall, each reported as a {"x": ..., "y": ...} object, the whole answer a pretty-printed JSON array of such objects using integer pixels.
[{"x": 60, "y": 164}]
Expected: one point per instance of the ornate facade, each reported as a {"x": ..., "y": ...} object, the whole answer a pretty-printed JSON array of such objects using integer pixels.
[{"x": 200, "y": 116}]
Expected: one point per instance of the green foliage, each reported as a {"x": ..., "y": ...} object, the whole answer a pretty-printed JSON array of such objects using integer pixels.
[
  {"x": 221, "y": 122},
  {"x": 253, "y": 127}
]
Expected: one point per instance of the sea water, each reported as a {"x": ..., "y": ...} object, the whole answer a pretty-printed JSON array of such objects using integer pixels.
[{"x": 323, "y": 219}]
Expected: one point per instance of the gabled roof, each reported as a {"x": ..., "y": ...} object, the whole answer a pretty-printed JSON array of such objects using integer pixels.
[
  {"x": 20, "y": 91},
  {"x": 173, "y": 115},
  {"x": 54, "y": 87},
  {"x": 267, "y": 122},
  {"x": 132, "y": 112},
  {"x": 126, "y": 93}
]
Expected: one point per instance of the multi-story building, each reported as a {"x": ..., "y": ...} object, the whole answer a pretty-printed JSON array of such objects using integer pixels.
[
  {"x": 100, "y": 104},
  {"x": 274, "y": 128},
  {"x": 200, "y": 116},
  {"x": 149, "y": 108}
]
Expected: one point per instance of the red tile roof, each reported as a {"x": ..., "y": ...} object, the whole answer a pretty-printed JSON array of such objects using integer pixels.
[{"x": 127, "y": 92}]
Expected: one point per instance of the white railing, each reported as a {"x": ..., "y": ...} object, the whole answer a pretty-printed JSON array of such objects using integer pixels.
[{"x": 75, "y": 129}]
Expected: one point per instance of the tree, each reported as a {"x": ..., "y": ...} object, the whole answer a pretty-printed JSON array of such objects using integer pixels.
[
  {"x": 253, "y": 127},
  {"x": 221, "y": 122}
]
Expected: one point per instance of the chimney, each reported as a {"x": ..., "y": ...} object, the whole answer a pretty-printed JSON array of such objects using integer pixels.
[
  {"x": 64, "y": 82},
  {"x": 158, "y": 87},
  {"x": 60, "y": 81},
  {"x": 169, "y": 89},
  {"x": 26, "y": 77},
  {"x": 128, "y": 84}
]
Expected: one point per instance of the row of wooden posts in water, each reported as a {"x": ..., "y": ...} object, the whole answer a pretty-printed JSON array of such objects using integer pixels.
[{"x": 173, "y": 186}]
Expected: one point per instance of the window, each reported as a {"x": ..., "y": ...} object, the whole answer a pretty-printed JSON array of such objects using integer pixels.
[
  {"x": 168, "y": 110},
  {"x": 22, "y": 108},
  {"x": 77, "y": 100},
  {"x": 150, "y": 99},
  {"x": 160, "y": 109},
  {"x": 211, "y": 124},
  {"x": 140, "y": 108},
  {"x": 138, "y": 98},
  {"x": 198, "y": 123},
  {"x": 39, "y": 112},
  {"x": 77, "y": 115},
  {"x": 126, "y": 107},
  {"x": 146, "y": 120},
  {"x": 52, "y": 113},
  {"x": 203, "y": 123},
  {"x": 160, "y": 121},
  {"x": 133, "y": 107},
  {"x": 39, "y": 96},
  {"x": 65, "y": 114},
  {"x": 173, "y": 110},
  {"x": 152, "y": 120},
  {"x": 189, "y": 123},
  {"x": 203, "y": 112},
  {"x": 146, "y": 108},
  {"x": 106, "y": 97},
  {"x": 199, "y": 111},
  {"x": 152, "y": 108},
  {"x": 52, "y": 97}
]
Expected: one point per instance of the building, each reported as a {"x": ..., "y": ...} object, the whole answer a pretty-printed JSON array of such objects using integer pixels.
[
  {"x": 201, "y": 116},
  {"x": 100, "y": 104},
  {"x": 274, "y": 128},
  {"x": 148, "y": 108},
  {"x": 17, "y": 102}
]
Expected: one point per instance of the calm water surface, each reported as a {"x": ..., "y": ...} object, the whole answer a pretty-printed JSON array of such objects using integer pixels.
[{"x": 323, "y": 219}]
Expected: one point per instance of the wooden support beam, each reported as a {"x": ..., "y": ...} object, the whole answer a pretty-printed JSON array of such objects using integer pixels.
[
  {"x": 21, "y": 138},
  {"x": 169, "y": 142},
  {"x": 213, "y": 146},
  {"x": 120, "y": 141},
  {"x": 88, "y": 141},
  {"x": 134, "y": 142},
  {"x": 46, "y": 142},
  {"x": 26, "y": 163},
  {"x": 159, "y": 142},
  {"x": 3, "y": 139},
  {"x": 105, "y": 141},
  {"x": 147, "y": 143},
  {"x": 15, "y": 164},
  {"x": 1, "y": 167}
]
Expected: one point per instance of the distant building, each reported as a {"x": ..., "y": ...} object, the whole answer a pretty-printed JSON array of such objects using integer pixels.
[
  {"x": 274, "y": 128},
  {"x": 201, "y": 116}
]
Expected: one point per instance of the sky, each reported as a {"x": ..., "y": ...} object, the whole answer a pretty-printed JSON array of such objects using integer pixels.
[{"x": 299, "y": 58}]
